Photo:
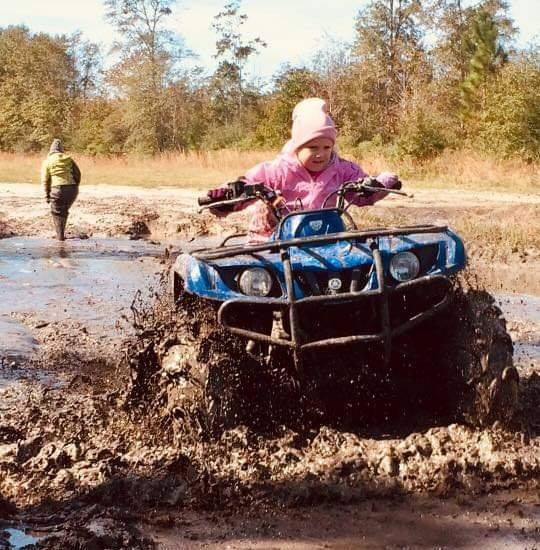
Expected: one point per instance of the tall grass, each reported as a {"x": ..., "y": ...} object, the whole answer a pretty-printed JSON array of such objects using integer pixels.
[
  {"x": 453, "y": 169},
  {"x": 191, "y": 169},
  {"x": 470, "y": 169}
]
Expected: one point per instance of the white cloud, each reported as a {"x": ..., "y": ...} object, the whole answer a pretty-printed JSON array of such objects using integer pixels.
[
  {"x": 60, "y": 17},
  {"x": 526, "y": 14}
]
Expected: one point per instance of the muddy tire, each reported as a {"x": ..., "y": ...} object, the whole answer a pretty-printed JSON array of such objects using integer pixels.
[
  {"x": 195, "y": 371},
  {"x": 462, "y": 362},
  {"x": 201, "y": 394},
  {"x": 209, "y": 381},
  {"x": 492, "y": 381}
]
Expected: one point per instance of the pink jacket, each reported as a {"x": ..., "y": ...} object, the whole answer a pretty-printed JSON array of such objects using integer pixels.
[{"x": 303, "y": 190}]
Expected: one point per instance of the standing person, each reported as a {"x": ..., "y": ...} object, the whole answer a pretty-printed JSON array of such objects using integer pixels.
[
  {"x": 307, "y": 170},
  {"x": 60, "y": 177}
]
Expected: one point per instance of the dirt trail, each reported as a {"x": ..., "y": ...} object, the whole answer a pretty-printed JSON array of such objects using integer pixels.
[{"x": 81, "y": 470}]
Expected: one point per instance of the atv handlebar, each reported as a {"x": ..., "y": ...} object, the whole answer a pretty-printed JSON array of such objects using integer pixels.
[
  {"x": 205, "y": 201},
  {"x": 364, "y": 187},
  {"x": 234, "y": 190},
  {"x": 239, "y": 192},
  {"x": 386, "y": 190}
]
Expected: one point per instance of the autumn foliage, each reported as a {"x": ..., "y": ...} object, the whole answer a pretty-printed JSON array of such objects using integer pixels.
[{"x": 409, "y": 87}]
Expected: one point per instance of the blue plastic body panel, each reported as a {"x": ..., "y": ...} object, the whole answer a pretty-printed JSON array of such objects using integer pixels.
[{"x": 216, "y": 279}]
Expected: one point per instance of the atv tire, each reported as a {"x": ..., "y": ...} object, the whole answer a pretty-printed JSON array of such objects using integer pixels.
[
  {"x": 202, "y": 395},
  {"x": 199, "y": 378},
  {"x": 210, "y": 383},
  {"x": 461, "y": 362}
]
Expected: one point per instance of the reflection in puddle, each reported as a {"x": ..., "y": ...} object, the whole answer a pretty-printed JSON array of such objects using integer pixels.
[
  {"x": 16, "y": 341},
  {"x": 520, "y": 307},
  {"x": 19, "y": 539}
]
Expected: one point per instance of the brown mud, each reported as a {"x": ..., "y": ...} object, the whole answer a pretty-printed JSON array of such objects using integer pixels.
[{"x": 81, "y": 466}]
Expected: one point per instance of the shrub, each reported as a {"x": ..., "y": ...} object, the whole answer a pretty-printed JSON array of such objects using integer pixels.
[
  {"x": 510, "y": 122},
  {"x": 421, "y": 136}
]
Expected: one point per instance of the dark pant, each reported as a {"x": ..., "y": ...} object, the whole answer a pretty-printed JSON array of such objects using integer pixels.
[{"x": 62, "y": 197}]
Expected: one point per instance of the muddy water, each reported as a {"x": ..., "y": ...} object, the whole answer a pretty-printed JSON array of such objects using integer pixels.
[
  {"x": 91, "y": 280},
  {"x": 95, "y": 280},
  {"x": 522, "y": 313}
]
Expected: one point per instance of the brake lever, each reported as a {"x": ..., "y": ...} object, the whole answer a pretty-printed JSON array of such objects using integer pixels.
[{"x": 374, "y": 189}]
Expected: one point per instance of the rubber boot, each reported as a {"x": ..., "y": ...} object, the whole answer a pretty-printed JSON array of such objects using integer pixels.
[
  {"x": 64, "y": 223},
  {"x": 59, "y": 226}
]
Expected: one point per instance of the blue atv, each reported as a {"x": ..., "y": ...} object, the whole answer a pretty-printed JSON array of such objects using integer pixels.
[{"x": 329, "y": 306}]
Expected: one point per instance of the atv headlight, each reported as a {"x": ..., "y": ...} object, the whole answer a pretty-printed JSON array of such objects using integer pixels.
[
  {"x": 404, "y": 266},
  {"x": 255, "y": 282}
]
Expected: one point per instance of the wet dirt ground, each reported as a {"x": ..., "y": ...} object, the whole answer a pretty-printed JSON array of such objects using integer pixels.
[{"x": 78, "y": 469}]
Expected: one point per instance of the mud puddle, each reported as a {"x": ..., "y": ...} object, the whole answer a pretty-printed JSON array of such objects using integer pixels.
[
  {"x": 92, "y": 281},
  {"x": 66, "y": 305}
]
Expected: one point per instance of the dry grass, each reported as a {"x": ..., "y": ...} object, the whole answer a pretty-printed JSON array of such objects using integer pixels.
[
  {"x": 497, "y": 232},
  {"x": 469, "y": 169},
  {"x": 200, "y": 169},
  {"x": 192, "y": 169},
  {"x": 462, "y": 169}
]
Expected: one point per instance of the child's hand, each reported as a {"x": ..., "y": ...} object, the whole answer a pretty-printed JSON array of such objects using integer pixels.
[
  {"x": 218, "y": 194},
  {"x": 389, "y": 180}
]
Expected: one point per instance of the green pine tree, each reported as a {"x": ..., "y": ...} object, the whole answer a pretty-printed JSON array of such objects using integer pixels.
[{"x": 487, "y": 56}]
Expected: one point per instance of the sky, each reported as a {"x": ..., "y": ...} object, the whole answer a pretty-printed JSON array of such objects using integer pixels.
[{"x": 293, "y": 29}]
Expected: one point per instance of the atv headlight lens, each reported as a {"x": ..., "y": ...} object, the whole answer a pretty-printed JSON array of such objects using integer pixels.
[
  {"x": 404, "y": 266},
  {"x": 255, "y": 281}
]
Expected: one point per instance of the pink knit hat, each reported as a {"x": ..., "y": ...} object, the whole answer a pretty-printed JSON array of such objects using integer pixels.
[{"x": 310, "y": 120}]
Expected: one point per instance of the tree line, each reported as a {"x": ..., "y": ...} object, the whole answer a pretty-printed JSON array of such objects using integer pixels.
[{"x": 419, "y": 77}]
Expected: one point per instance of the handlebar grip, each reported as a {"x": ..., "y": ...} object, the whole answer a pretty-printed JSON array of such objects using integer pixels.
[{"x": 204, "y": 201}]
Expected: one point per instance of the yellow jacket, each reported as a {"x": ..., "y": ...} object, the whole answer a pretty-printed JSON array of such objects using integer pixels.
[{"x": 59, "y": 169}]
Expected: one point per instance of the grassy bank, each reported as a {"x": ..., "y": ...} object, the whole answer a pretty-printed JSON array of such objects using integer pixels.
[{"x": 451, "y": 170}]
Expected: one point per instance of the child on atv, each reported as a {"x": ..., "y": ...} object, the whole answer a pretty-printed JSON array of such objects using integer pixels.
[
  {"x": 306, "y": 171},
  {"x": 325, "y": 314}
]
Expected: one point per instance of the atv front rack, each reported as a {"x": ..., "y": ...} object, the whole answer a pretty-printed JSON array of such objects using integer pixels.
[{"x": 299, "y": 341}]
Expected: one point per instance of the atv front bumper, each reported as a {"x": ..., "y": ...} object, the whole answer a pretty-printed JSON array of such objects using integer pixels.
[{"x": 380, "y": 299}]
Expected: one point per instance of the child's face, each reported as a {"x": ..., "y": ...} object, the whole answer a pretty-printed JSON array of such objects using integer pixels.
[{"x": 315, "y": 154}]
